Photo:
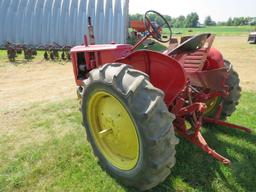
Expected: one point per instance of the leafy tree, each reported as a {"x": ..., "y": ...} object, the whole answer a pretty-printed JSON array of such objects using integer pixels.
[
  {"x": 179, "y": 22},
  {"x": 137, "y": 16},
  {"x": 192, "y": 20},
  {"x": 159, "y": 21},
  {"x": 168, "y": 19},
  {"x": 209, "y": 22},
  {"x": 230, "y": 22},
  {"x": 252, "y": 21}
]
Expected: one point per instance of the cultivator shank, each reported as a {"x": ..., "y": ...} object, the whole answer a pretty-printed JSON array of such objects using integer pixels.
[{"x": 52, "y": 52}]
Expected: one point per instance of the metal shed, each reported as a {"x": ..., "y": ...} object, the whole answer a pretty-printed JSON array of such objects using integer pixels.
[{"x": 42, "y": 22}]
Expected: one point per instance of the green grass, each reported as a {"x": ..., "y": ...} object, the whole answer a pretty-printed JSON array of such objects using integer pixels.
[
  {"x": 20, "y": 60},
  {"x": 218, "y": 30},
  {"x": 48, "y": 152}
]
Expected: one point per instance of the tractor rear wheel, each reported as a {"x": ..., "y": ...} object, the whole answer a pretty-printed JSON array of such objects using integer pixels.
[
  {"x": 230, "y": 102},
  {"x": 128, "y": 125}
]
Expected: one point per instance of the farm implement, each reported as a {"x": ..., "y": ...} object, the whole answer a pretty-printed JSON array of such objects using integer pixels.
[
  {"x": 14, "y": 49},
  {"x": 52, "y": 52},
  {"x": 133, "y": 101},
  {"x": 252, "y": 37}
]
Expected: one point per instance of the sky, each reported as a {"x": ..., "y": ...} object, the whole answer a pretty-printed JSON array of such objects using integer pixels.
[{"x": 219, "y": 10}]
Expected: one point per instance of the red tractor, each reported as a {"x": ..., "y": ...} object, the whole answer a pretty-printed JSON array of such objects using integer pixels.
[{"x": 133, "y": 101}]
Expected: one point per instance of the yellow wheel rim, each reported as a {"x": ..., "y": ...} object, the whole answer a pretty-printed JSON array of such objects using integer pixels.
[
  {"x": 211, "y": 104},
  {"x": 113, "y": 130}
]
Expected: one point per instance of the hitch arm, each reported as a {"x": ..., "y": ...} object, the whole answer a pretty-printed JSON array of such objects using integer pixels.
[
  {"x": 226, "y": 124},
  {"x": 200, "y": 142}
]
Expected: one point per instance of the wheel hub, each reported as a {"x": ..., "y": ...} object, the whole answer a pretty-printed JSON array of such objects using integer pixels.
[
  {"x": 211, "y": 104},
  {"x": 113, "y": 130}
]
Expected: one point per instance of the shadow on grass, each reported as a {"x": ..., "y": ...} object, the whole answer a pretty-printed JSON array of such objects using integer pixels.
[
  {"x": 64, "y": 160},
  {"x": 19, "y": 62},
  {"x": 37, "y": 59},
  {"x": 33, "y": 61},
  {"x": 196, "y": 171},
  {"x": 199, "y": 171}
]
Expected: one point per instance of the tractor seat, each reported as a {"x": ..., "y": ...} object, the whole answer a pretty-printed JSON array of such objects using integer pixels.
[
  {"x": 192, "y": 44},
  {"x": 192, "y": 53}
]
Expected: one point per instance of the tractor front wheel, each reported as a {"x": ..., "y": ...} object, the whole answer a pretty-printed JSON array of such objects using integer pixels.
[{"x": 128, "y": 125}]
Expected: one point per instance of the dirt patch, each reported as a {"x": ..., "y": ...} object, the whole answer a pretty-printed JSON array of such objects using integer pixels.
[
  {"x": 33, "y": 82},
  {"x": 25, "y": 84},
  {"x": 242, "y": 55}
]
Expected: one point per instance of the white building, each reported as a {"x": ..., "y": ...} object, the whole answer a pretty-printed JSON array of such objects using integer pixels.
[{"x": 42, "y": 22}]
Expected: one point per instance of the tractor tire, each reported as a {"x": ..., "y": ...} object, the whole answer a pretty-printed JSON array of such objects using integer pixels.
[
  {"x": 230, "y": 102},
  {"x": 151, "y": 122}
]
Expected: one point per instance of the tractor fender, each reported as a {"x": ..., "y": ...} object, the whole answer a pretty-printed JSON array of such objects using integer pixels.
[
  {"x": 214, "y": 60},
  {"x": 165, "y": 73}
]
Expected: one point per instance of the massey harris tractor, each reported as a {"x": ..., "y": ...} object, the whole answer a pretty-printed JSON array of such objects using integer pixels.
[{"x": 134, "y": 101}]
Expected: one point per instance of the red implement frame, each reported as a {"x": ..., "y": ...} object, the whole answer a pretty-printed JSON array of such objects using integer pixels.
[{"x": 191, "y": 111}]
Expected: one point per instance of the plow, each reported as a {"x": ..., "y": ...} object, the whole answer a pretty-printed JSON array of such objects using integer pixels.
[
  {"x": 14, "y": 49},
  {"x": 134, "y": 102},
  {"x": 52, "y": 52}
]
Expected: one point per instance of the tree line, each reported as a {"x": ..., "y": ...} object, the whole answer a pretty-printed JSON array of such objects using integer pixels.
[{"x": 192, "y": 20}]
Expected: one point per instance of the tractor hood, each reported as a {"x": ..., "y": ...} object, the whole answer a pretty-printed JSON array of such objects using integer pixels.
[{"x": 101, "y": 47}]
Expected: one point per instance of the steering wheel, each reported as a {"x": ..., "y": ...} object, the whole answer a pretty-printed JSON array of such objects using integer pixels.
[{"x": 155, "y": 28}]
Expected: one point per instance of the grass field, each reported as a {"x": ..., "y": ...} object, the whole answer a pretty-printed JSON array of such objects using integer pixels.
[
  {"x": 20, "y": 58},
  {"x": 43, "y": 145},
  {"x": 48, "y": 152},
  {"x": 218, "y": 30}
]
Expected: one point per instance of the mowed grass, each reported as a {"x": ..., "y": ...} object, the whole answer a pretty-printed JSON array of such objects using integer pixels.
[
  {"x": 20, "y": 57},
  {"x": 218, "y": 30},
  {"x": 43, "y": 147},
  {"x": 48, "y": 151},
  {"x": 20, "y": 60}
]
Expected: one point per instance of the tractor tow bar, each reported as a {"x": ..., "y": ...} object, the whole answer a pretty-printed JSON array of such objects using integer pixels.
[
  {"x": 200, "y": 142},
  {"x": 226, "y": 124},
  {"x": 197, "y": 138},
  {"x": 192, "y": 133}
]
